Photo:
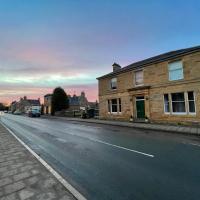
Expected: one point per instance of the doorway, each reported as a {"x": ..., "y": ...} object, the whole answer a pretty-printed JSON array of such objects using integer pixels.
[{"x": 140, "y": 107}]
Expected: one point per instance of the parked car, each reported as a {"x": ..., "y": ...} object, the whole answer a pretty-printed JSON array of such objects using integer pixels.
[
  {"x": 34, "y": 113},
  {"x": 17, "y": 112}
]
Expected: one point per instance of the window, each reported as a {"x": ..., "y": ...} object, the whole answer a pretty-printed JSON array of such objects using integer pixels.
[
  {"x": 175, "y": 70},
  {"x": 181, "y": 103},
  {"x": 139, "y": 77},
  {"x": 113, "y": 83},
  {"x": 178, "y": 103},
  {"x": 166, "y": 103},
  {"x": 191, "y": 102},
  {"x": 120, "y": 106},
  {"x": 114, "y": 106}
]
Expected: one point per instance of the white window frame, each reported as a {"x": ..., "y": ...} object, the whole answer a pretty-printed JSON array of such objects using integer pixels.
[
  {"x": 188, "y": 106},
  {"x": 179, "y": 113},
  {"x": 135, "y": 83},
  {"x": 164, "y": 103},
  {"x": 187, "y": 111},
  {"x": 111, "y": 81},
  {"x": 171, "y": 70},
  {"x": 119, "y": 105},
  {"x": 112, "y": 105},
  {"x": 109, "y": 105}
]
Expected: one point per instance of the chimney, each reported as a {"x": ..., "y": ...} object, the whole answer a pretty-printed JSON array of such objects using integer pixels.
[{"x": 116, "y": 67}]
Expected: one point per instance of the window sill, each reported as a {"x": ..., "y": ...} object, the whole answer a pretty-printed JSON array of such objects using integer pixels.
[
  {"x": 181, "y": 79},
  {"x": 139, "y": 85},
  {"x": 167, "y": 113},
  {"x": 114, "y": 113},
  {"x": 193, "y": 114},
  {"x": 179, "y": 113}
]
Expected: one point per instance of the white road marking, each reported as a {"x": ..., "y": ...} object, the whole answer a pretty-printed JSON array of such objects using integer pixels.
[
  {"x": 61, "y": 140},
  {"x": 124, "y": 148},
  {"x": 66, "y": 184},
  {"x": 193, "y": 144}
]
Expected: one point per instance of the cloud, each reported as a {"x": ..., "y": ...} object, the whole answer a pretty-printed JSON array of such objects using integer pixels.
[{"x": 11, "y": 93}]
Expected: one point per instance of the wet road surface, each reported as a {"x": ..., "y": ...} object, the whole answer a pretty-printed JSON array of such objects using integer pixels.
[{"x": 115, "y": 163}]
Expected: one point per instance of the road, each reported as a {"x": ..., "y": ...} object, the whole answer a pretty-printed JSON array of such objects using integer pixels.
[{"x": 109, "y": 162}]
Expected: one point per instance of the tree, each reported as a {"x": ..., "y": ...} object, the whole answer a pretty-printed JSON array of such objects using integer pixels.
[
  {"x": 59, "y": 100},
  {"x": 2, "y": 107}
]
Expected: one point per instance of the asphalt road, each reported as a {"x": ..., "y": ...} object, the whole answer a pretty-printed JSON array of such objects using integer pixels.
[{"x": 109, "y": 162}]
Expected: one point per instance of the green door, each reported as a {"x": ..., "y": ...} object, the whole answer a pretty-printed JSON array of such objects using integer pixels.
[{"x": 140, "y": 109}]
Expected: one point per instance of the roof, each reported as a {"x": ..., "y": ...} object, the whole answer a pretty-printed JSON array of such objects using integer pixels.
[
  {"x": 153, "y": 60},
  {"x": 34, "y": 102},
  {"x": 74, "y": 100},
  {"x": 47, "y": 95}
]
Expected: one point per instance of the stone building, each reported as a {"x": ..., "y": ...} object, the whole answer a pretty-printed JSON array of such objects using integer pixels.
[
  {"x": 75, "y": 102},
  {"x": 24, "y": 105},
  {"x": 164, "y": 88},
  {"x": 47, "y": 104}
]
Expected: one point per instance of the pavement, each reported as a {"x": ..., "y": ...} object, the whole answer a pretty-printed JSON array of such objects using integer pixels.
[
  {"x": 22, "y": 176},
  {"x": 105, "y": 162},
  {"x": 191, "y": 130}
]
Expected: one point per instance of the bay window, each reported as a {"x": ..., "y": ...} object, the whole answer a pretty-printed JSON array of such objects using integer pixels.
[{"x": 180, "y": 103}]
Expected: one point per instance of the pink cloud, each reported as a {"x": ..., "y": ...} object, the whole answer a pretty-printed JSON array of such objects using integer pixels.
[{"x": 9, "y": 94}]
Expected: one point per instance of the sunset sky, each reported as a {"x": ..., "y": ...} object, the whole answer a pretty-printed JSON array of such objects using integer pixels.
[{"x": 68, "y": 43}]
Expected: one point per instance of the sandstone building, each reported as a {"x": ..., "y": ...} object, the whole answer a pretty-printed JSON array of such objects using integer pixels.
[
  {"x": 164, "y": 88},
  {"x": 47, "y": 104},
  {"x": 25, "y": 104},
  {"x": 75, "y": 102}
]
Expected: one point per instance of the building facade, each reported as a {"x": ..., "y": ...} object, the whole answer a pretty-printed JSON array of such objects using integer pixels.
[
  {"x": 24, "y": 105},
  {"x": 164, "y": 88},
  {"x": 47, "y": 104},
  {"x": 75, "y": 102}
]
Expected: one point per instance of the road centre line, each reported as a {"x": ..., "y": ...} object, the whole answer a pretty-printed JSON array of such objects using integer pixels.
[
  {"x": 113, "y": 145},
  {"x": 193, "y": 144},
  {"x": 124, "y": 148}
]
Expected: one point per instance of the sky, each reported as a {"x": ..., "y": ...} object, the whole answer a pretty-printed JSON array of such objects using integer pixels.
[{"x": 68, "y": 43}]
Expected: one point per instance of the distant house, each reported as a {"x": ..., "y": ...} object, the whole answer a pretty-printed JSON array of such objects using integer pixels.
[
  {"x": 75, "y": 102},
  {"x": 78, "y": 102},
  {"x": 24, "y": 105},
  {"x": 47, "y": 103}
]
